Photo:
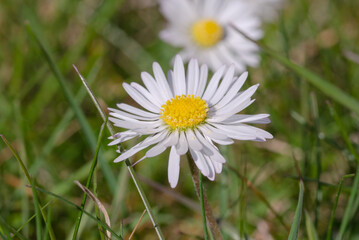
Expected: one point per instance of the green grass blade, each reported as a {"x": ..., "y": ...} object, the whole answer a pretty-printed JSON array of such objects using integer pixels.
[
  {"x": 294, "y": 230},
  {"x": 205, "y": 230},
  {"x": 128, "y": 163},
  {"x": 89, "y": 179},
  {"x": 11, "y": 229},
  {"x": 49, "y": 58},
  {"x": 326, "y": 87},
  {"x": 311, "y": 232},
  {"x": 331, "y": 221},
  {"x": 31, "y": 181},
  {"x": 78, "y": 208},
  {"x": 32, "y": 217},
  {"x": 349, "y": 210},
  {"x": 90, "y": 137}
]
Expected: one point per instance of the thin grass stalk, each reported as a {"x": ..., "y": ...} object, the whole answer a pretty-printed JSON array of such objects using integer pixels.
[
  {"x": 89, "y": 179},
  {"x": 260, "y": 196},
  {"x": 208, "y": 210},
  {"x": 331, "y": 221},
  {"x": 49, "y": 215},
  {"x": 317, "y": 153},
  {"x": 38, "y": 208},
  {"x": 104, "y": 225},
  {"x": 90, "y": 136},
  {"x": 202, "y": 206},
  {"x": 349, "y": 210},
  {"x": 127, "y": 161},
  {"x": 101, "y": 231},
  {"x": 242, "y": 203},
  {"x": 9, "y": 228},
  {"x": 33, "y": 216}
]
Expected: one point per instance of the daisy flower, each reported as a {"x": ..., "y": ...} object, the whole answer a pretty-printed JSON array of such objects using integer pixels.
[
  {"x": 202, "y": 29},
  {"x": 184, "y": 113}
]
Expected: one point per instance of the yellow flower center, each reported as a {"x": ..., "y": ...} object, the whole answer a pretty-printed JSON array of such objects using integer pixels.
[
  {"x": 207, "y": 32},
  {"x": 184, "y": 111}
]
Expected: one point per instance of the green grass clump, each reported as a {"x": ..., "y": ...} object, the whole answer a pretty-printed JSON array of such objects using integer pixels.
[{"x": 51, "y": 129}]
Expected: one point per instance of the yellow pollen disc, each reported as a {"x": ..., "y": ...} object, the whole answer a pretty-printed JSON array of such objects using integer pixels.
[
  {"x": 207, "y": 33},
  {"x": 184, "y": 111}
]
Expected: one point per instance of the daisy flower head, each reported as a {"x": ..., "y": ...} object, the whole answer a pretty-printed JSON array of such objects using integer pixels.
[
  {"x": 184, "y": 113},
  {"x": 202, "y": 28}
]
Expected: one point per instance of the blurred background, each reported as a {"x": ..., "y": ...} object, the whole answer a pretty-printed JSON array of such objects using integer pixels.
[{"x": 111, "y": 42}]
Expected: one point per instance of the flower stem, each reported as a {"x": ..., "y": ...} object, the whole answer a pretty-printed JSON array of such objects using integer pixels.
[{"x": 208, "y": 211}]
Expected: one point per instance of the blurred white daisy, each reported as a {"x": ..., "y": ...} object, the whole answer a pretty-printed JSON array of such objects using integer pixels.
[
  {"x": 202, "y": 28},
  {"x": 267, "y": 10},
  {"x": 185, "y": 114}
]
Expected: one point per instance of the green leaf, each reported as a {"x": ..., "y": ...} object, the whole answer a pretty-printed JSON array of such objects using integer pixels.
[
  {"x": 294, "y": 230},
  {"x": 311, "y": 231}
]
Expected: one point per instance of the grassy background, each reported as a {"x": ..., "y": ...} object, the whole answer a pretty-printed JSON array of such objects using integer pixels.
[{"x": 112, "y": 42}]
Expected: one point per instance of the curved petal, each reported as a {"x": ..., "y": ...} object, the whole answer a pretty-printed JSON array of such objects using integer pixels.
[
  {"x": 173, "y": 167},
  {"x": 202, "y": 81},
  {"x": 140, "y": 99},
  {"x": 223, "y": 87},
  {"x": 162, "y": 81},
  {"x": 153, "y": 87},
  {"x": 182, "y": 145},
  {"x": 192, "y": 76},
  {"x": 233, "y": 90},
  {"x": 212, "y": 86},
  {"x": 136, "y": 111},
  {"x": 179, "y": 78}
]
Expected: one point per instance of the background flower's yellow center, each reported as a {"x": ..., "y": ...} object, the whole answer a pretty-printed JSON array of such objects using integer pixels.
[
  {"x": 184, "y": 111},
  {"x": 207, "y": 33}
]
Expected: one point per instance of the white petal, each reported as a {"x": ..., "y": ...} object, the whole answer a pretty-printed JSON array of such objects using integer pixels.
[
  {"x": 214, "y": 151},
  {"x": 140, "y": 99},
  {"x": 170, "y": 81},
  {"x": 179, "y": 78},
  {"x": 162, "y": 81},
  {"x": 136, "y": 111},
  {"x": 142, "y": 145},
  {"x": 182, "y": 145},
  {"x": 173, "y": 167},
  {"x": 156, "y": 150},
  {"x": 122, "y": 137},
  {"x": 172, "y": 139},
  {"x": 244, "y": 118},
  {"x": 222, "y": 89},
  {"x": 202, "y": 81},
  {"x": 193, "y": 141},
  {"x": 134, "y": 124},
  {"x": 211, "y": 132},
  {"x": 200, "y": 162},
  {"x": 237, "y": 102},
  {"x": 227, "y": 141},
  {"x": 192, "y": 76},
  {"x": 212, "y": 86},
  {"x": 217, "y": 166},
  {"x": 153, "y": 87},
  {"x": 120, "y": 114},
  {"x": 212, "y": 174},
  {"x": 148, "y": 95},
  {"x": 232, "y": 91}
]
